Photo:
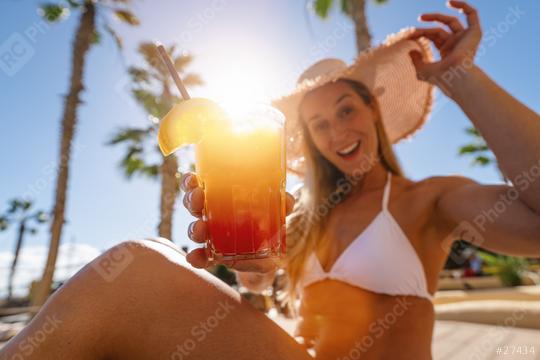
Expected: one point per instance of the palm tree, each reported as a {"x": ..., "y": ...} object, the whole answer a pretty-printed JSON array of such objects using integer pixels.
[
  {"x": 20, "y": 214},
  {"x": 152, "y": 90},
  {"x": 87, "y": 33},
  {"x": 356, "y": 11},
  {"x": 482, "y": 155}
]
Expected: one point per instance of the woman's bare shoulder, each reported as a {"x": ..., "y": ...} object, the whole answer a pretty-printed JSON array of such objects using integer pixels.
[
  {"x": 419, "y": 198},
  {"x": 437, "y": 184}
]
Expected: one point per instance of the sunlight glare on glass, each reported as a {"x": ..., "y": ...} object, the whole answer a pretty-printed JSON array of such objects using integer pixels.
[{"x": 241, "y": 85}]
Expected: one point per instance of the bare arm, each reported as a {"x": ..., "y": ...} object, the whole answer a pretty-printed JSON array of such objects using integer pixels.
[
  {"x": 490, "y": 216},
  {"x": 511, "y": 130},
  {"x": 506, "y": 218}
]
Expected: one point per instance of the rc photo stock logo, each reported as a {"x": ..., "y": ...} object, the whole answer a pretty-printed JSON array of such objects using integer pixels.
[
  {"x": 17, "y": 50},
  {"x": 111, "y": 264}
]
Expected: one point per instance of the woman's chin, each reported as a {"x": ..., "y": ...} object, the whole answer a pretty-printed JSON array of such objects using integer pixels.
[{"x": 358, "y": 166}]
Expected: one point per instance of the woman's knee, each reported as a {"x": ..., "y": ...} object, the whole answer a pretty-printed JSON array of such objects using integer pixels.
[
  {"x": 155, "y": 264},
  {"x": 143, "y": 256}
]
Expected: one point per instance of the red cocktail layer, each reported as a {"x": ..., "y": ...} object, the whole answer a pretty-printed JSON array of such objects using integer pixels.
[{"x": 245, "y": 219}]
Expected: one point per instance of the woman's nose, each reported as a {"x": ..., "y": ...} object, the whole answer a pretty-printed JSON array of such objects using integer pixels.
[{"x": 338, "y": 131}]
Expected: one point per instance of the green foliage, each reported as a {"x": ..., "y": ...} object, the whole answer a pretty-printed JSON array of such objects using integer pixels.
[
  {"x": 482, "y": 160},
  {"x": 52, "y": 12},
  {"x": 322, "y": 8},
  {"x": 345, "y": 6},
  {"x": 152, "y": 89},
  {"x": 96, "y": 37},
  {"x": 42, "y": 217},
  {"x": 139, "y": 75},
  {"x": 478, "y": 150},
  {"x": 508, "y": 268},
  {"x": 136, "y": 136},
  {"x": 19, "y": 210},
  {"x": 133, "y": 162},
  {"x": 152, "y": 104},
  {"x": 19, "y": 204},
  {"x": 474, "y": 132},
  {"x": 4, "y": 223},
  {"x": 472, "y": 148},
  {"x": 73, "y": 4}
]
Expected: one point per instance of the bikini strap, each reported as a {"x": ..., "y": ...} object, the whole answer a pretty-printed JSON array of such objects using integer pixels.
[{"x": 386, "y": 195}]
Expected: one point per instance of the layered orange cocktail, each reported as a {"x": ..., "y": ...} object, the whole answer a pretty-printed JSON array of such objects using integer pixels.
[{"x": 240, "y": 162}]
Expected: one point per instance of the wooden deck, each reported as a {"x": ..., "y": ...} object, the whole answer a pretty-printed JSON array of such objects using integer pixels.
[
  {"x": 453, "y": 340},
  {"x": 460, "y": 340}
]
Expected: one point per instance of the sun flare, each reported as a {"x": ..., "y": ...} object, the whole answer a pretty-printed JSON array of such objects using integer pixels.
[{"x": 241, "y": 81}]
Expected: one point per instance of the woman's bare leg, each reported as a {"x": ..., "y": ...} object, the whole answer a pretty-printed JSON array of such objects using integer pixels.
[{"x": 141, "y": 300}]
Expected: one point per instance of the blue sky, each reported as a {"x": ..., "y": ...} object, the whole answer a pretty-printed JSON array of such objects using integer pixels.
[{"x": 242, "y": 49}]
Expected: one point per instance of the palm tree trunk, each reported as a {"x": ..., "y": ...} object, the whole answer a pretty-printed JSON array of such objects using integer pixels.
[
  {"x": 169, "y": 181},
  {"x": 18, "y": 244},
  {"x": 169, "y": 192},
  {"x": 358, "y": 15},
  {"x": 81, "y": 45}
]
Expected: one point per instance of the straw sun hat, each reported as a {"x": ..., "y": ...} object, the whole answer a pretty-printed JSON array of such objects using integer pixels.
[{"x": 387, "y": 71}]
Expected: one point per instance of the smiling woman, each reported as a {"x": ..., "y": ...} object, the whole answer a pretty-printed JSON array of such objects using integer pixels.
[{"x": 353, "y": 100}]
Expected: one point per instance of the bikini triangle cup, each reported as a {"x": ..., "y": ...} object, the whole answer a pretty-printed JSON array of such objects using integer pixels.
[{"x": 380, "y": 259}]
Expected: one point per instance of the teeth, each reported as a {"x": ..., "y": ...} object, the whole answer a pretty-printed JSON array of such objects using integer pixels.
[{"x": 348, "y": 149}]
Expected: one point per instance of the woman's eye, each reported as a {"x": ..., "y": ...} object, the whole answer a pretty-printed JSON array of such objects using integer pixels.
[
  {"x": 346, "y": 111},
  {"x": 320, "y": 126}
]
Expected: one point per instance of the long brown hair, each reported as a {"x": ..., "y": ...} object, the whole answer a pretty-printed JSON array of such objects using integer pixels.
[{"x": 324, "y": 187}]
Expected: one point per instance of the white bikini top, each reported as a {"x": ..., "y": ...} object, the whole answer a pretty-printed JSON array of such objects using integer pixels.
[{"x": 381, "y": 259}]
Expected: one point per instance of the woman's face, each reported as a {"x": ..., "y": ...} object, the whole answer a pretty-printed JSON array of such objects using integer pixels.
[{"x": 341, "y": 126}]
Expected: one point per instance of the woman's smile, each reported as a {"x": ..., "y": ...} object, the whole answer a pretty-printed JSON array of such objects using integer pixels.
[{"x": 350, "y": 151}]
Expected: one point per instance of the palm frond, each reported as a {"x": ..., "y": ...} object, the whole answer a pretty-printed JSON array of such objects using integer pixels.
[
  {"x": 134, "y": 164},
  {"x": 151, "y": 171},
  {"x": 152, "y": 58},
  {"x": 53, "y": 12},
  {"x": 482, "y": 160},
  {"x": 117, "y": 39},
  {"x": 4, "y": 223},
  {"x": 345, "y": 6},
  {"x": 127, "y": 17},
  {"x": 95, "y": 37},
  {"x": 472, "y": 148},
  {"x": 181, "y": 62},
  {"x": 14, "y": 205},
  {"x": 322, "y": 8},
  {"x": 139, "y": 75},
  {"x": 73, "y": 4},
  {"x": 151, "y": 103},
  {"x": 132, "y": 135},
  {"x": 473, "y": 131},
  {"x": 41, "y": 217},
  {"x": 192, "y": 79}
]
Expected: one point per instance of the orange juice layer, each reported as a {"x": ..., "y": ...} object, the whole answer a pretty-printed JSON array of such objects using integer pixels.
[{"x": 243, "y": 173}]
